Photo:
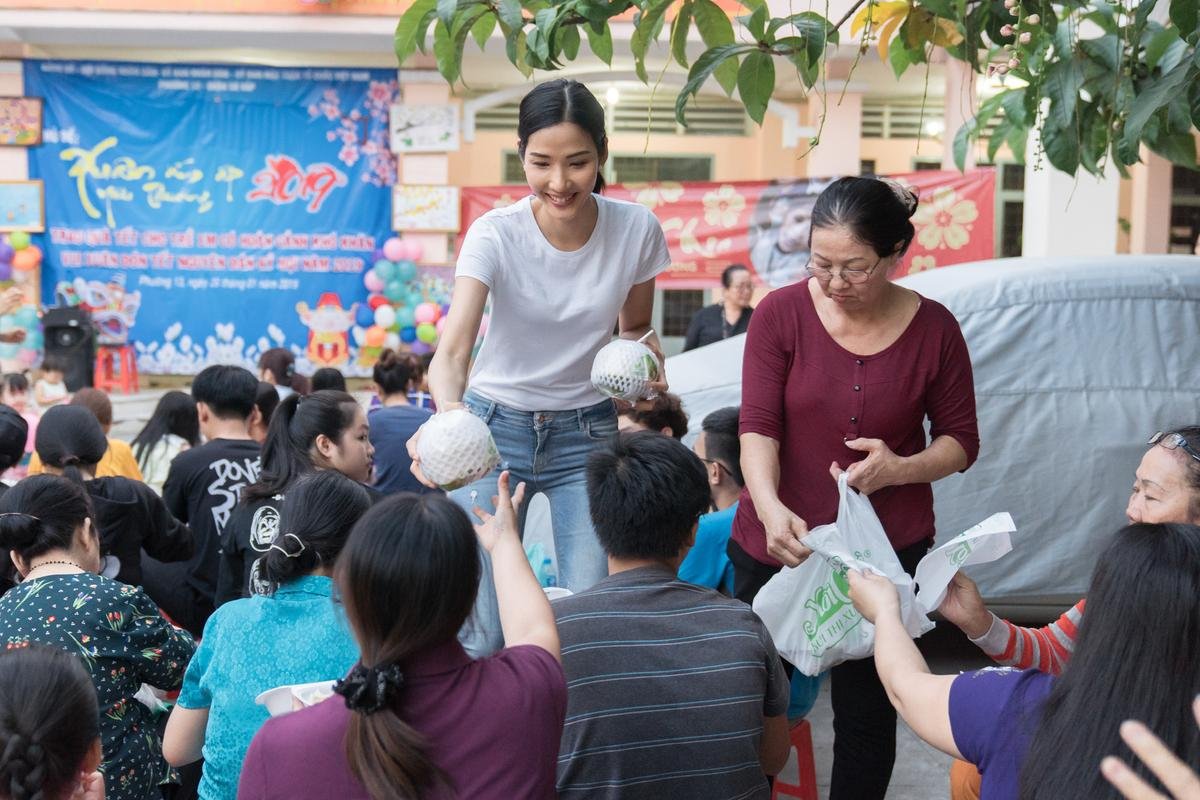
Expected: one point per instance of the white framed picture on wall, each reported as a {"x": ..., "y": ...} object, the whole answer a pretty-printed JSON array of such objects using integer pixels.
[
  {"x": 418, "y": 207},
  {"x": 423, "y": 129}
]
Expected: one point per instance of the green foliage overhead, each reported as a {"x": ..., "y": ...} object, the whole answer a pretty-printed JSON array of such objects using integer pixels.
[{"x": 1097, "y": 79}]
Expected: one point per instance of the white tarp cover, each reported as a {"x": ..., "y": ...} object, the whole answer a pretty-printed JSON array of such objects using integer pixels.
[{"x": 1077, "y": 362}]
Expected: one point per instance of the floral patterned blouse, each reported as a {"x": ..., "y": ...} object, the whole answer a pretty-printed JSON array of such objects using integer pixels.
[{"x": 118, "y": 633}]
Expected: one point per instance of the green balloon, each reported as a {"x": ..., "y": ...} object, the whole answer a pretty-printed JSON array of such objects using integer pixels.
[
  {"x": 406, "y": 270},
  {"x": 404, "y": 316},
  {"x": 19, "y": 240},
  {"x": 385, "y": 269},
  {"x": 415, "y": 298},
  {"x": 427, "y": 333},
  {"x": 394, "y": 291}
]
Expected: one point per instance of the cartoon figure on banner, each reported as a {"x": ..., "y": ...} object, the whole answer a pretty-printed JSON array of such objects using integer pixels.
[
  {"x": 779, "y": 231},
  {"x": 113, "y": 309},
  {"x": 328, "y": 323}
]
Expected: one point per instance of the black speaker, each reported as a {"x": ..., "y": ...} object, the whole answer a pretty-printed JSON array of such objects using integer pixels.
[{"x": 70, "y": 338}]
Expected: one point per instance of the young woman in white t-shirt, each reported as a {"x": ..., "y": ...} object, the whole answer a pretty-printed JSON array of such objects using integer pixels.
[{"x": 561, "y": 266}]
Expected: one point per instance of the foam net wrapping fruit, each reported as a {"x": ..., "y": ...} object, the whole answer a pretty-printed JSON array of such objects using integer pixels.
[
  {"x": 456, "y": 448},
  {"x": 624, "y": 370}
]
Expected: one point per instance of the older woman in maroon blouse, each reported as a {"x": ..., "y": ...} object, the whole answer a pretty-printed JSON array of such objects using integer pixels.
[{"x": 842, "y": 369}]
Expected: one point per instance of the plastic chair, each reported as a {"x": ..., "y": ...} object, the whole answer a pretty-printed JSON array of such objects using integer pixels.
[
  {"x": 805, "y": 787},
  {"x": 116, "y": 368}
]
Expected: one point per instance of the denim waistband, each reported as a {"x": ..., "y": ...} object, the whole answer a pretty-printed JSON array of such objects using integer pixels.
[{"x": 489, "y": 410}]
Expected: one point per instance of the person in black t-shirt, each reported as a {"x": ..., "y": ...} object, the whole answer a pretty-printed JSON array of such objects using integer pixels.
[
  {"x": 202, "y": 488},
  {"x": 730, "y": 317},
  {"x": 325, "y": 430}
]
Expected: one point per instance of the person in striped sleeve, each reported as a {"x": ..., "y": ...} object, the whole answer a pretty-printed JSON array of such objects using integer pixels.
[{"x": 1166, "y": 488}]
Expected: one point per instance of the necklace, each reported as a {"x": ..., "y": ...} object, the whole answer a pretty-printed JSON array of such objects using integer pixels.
[{"x": 49, "y": 563}]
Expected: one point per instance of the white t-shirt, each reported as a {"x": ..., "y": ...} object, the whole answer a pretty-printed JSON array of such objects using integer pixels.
[{"x": 552, "y": 310}]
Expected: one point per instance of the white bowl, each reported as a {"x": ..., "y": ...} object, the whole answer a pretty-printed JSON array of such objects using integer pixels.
[{"x": 283, "y": 699}]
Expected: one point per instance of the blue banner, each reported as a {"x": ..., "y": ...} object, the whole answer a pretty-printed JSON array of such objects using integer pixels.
[{"x": 210, "y": 212}]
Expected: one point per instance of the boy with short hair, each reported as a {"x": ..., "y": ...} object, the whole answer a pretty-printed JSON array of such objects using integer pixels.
[
  {"x": 675, "y": 690},
  {"x": 202, "y": 487}
]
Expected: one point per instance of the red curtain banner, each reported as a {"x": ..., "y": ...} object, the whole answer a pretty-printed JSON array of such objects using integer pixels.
[{"x": 764, "y": 224}]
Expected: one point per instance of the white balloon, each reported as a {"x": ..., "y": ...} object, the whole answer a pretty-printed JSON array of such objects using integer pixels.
[
  {"x": 392, "y": 341},
  {"x": 385, "y": 317}
]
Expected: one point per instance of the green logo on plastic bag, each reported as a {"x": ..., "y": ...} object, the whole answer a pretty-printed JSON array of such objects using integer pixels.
[{"x": 834, "y": 614}]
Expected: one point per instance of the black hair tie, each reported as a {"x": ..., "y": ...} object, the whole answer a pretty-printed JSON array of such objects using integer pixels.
[{"x": 370, "y": 689}]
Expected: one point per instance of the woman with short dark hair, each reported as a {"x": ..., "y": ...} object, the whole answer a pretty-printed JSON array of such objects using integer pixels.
[{"x": 730, "y": 317}]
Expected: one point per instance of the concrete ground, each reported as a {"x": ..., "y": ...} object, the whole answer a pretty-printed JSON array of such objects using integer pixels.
[{"x": 921, "y": 771}]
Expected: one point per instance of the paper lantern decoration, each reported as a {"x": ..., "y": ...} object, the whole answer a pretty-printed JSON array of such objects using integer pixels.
[
  {"x": 19, "y": 240},
  {"x": 372, "y": 281},
  {"x": 375, "y": 336},
  {"x": 394, "y": 249},
  {"x": 408, "y": 334},
  {"x": 385, "y": 316}
]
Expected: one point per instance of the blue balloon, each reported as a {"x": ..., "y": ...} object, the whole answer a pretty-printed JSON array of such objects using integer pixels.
[
  {"x": 365, "y": 316},
  {"x": 406, "y": 270},
  {"x": 26, "y": 316},
  {"x": 408, "y": 334},
  {"x": 11, "y": 350}
]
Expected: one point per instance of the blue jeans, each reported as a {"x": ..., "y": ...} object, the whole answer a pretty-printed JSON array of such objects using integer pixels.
[{"x": 547, "y": 450}]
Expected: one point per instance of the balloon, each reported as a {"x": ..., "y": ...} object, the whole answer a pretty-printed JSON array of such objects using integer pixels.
[
  {"x": 5, "y": 271},
  {"x": 392, "y": 341},
  {"x": 415, "y": 298},
  {"x": 385, "y": 316},
  {"x": 427, "y": 333},
  {"x": 37, "y": 252},
  {"x": 420, "y": 348},
  {"x": 441, "y": 325},
  {"x": 6, "y": 252},
  {"x": 377, "y": 255},
  {"x": 375, "y": 336},
  {"x": 25, "y": 260},
  {"x": 406, "y": 270},
  {"x": 394, "y": 291},
  {"x": 405, "y": 317},
  {"x": 360, "y": 335},
  {"x": 408, "y": 334},
  {"x": 372, "y": 281},
  {"x": 414, "y": 250},
  {"x": 386, "y": 270},
  {"x": 375, "y": 301},
  {"x": 9, "y": 350},
  {"x": 394, "y": 249},
  {"x": 19, "y": 240},
  {"x": 445, "y": 309},
  {"x": 365, "y": 316},
  {"x": 26, "y": 316},
  {"x": 425, "y": 313}
]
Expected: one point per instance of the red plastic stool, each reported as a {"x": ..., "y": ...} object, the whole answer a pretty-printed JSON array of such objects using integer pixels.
[
  {"x": 116, "y": 368},
  {"x": 806, "y": 786}
]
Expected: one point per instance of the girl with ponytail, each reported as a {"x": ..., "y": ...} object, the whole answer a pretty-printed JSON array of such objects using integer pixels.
[
  {"x": 115, "y": 630},
  {"x": 49, "y": 727},
  {"x": 417, "y": 717},
  {"x": 294, "y": 635},
  {"x": 326, "y": 430},
  {"x": 130, "y": 517}
]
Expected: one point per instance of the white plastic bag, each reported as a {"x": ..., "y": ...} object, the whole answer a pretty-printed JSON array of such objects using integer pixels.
[
  {"x": 807, "y": 608},
  {"x": 987, "y": 541}
]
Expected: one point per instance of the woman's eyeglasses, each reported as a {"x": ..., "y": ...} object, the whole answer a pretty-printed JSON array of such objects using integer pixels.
[
  {"x": 1174, "y": 441},
  {"x": 824, "y": 274}
]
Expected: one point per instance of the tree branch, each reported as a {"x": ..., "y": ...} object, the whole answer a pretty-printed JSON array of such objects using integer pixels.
[{"x": 849, "y": 13}]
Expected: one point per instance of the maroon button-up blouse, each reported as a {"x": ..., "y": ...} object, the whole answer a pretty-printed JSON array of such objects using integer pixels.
[{"x": 807, "y": 392}]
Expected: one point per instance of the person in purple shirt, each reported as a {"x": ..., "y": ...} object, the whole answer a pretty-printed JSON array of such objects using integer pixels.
[
  {"x": 1037, "y": 737},
  {"x": 417, "y": 717}
]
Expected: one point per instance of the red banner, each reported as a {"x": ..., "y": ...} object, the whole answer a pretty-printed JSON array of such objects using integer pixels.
[{"x": 765, "y": 224}]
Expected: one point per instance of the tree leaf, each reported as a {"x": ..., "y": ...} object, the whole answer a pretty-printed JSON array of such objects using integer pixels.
[
  {"x": 757, "y": 24},
  {"x": 1194, "y": 102},
  {"x": 600, "y": 43},
  {"x": 1149, "y": 100},
  {"x": 1064, "y": 79},
  {"x": 1179, "y": 148},
  {"x": 997, "y": 139},
  {"x": 756, "y": 81},
  {"x": 568, "y": 39},
  {"x": 406, "y": 28},
  {"x": 443, "y": 50},
  {"x": 705, "y": 67},
  {"x": 518, "y": 51},
  {"x": 1186, "y": 16},
  {"x": 446, "y": 10},
  {"x": 973, "y": 127},
  {"x": 679, "y": 33},
  {"x": 716, "y": 31},
  {"x": 1105, "y": 51},
  {"x": 1018, "y": 137},
  {"x": 644, "y": 32},
  {"x": 899, "y": 59},
  {"x": 1061, "y": 146},
  {"x": 483, "y": 28},
  {"x": 423, "y": 28},
  {"x": 885, "y": 32},
  {"x": 511, "y": 14}
]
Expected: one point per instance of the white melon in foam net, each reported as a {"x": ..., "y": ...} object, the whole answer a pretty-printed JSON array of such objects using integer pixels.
[
  {"x": 624, "y": 369},
  {"x": 456, "y": 448}
]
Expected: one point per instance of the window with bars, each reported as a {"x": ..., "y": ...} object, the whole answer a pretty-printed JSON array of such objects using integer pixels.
[
  {"x": 1010, "y": 209},
  {"x": 678, "y": 308},
  {"x": 642, "y": 112},
  {"x": 633, "y": 168},
  {"x": 1185, "y": 210}
]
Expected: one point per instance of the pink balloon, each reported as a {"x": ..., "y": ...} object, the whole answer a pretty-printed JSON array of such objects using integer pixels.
[
  {"x": 441, "y": 324},
  {"x": 426, "y": 313},
  {"x": 372, "y": 281},
  {"x": 393, "y": 249},
  {"x": 413, "y": 250}
]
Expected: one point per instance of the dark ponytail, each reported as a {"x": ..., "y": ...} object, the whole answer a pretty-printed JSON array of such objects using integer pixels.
[
  {"x": 394, "y": 371},
  {"x": 318, "y": 513},
  {"x": 49, "y": 722},
  {"x": 558, "y": 101},
  {"x": 280, "y": 362},
  {"x": 877, "y": 212},
  {"x": 68, "y": 438},
  {"x": 294, "y": 428},
  {"x": 41, "y": 513},
  {"x": 408, "y": 577}
]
